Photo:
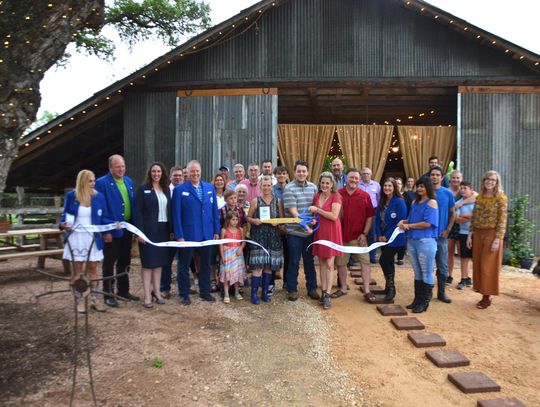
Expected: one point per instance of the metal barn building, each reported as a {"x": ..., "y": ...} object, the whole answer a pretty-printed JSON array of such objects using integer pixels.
[{"x": 386, "y": 82}]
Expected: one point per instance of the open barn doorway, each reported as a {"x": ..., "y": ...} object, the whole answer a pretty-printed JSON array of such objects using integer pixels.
[{"x": 410, "y": 116}]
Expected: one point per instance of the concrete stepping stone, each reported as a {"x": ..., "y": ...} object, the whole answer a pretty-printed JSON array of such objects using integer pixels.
[
  {"x": 356, "y": 273},
  {"x": 509, "y": 402},
  {"x": 375, "y": 289},
  {"x": 447, "y": 358},
  {"x": 426, "y": 339},
  {"x": 473, "y": 382},
  {"x": 355, "y": 267},
  {"x": 360, "y": 281},
  {"x": 391, "y": 310},
  {"x": 407, "y": 324}
]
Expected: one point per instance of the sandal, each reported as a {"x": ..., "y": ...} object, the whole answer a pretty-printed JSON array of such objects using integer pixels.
[
  {"x": 238, "y": 296},
  {"x": 484, "y": 303},
  {"x": 370, "y": 297},
  {"x": 227, "y": 299},
  {"x": 337, "y": 294}
]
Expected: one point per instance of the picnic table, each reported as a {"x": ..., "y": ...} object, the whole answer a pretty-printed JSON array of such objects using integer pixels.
[{"x": 13, "y": 246}]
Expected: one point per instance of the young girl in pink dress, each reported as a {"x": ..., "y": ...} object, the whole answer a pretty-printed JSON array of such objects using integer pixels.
[
  {"x": 327, "y": 204},
  {"x": 232, "y": 270}
]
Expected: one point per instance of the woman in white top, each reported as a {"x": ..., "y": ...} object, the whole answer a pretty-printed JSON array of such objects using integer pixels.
[
  {"x": 152, "y": 217},
  {"x": 84, "y": 206}
]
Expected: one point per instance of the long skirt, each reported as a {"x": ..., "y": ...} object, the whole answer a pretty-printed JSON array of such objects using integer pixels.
[{"x": 486, "y": 264}]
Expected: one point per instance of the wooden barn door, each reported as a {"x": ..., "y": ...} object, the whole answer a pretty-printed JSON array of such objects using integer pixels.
[{"x": 225, "y": 127}]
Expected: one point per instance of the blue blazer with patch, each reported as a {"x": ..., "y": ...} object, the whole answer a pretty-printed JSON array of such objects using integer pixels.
[
  {"x": 99, "y": 212},
  {"x": 395, "y": 211},
  {"x": 113, "y": 199},
  {"x": 193, "y": 219}
]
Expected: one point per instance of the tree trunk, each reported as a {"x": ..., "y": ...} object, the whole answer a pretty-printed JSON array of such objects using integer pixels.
[{"x": 35, "y": 34}]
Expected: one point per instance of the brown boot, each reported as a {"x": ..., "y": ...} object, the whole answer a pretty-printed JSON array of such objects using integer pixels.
[{"x": 96, "y": 304}]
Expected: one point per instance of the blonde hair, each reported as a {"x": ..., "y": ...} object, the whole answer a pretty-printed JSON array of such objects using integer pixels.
[
  {"x": 330, "y": 176},
  {"x": 83, "y": 191},
  {"x": 498, "y": 189}
]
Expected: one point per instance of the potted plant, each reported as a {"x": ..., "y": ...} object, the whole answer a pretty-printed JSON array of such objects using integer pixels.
[{"x": 521, "y": 231}]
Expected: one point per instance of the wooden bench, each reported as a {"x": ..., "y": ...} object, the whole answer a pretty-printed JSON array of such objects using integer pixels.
[{"x": 44, "y": 250}]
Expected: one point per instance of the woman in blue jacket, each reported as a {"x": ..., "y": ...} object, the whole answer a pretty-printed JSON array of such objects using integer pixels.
[
  {"x": 391, "y": 209},
  {"x": 84, "y": 206}
]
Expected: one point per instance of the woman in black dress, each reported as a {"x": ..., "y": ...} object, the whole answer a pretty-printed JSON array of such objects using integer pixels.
[{"x": 152, "y": 217}]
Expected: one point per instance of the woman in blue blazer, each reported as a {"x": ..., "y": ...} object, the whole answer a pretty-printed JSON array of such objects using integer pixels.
[
  {"x": 392, "y": 208},
  {"x": 152, "y": 217},
  {"x": 84, "y": 206}
]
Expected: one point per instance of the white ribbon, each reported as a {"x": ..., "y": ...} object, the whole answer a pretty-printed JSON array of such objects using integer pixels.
[
  {"x": 355, "y": 249},
  {"x": 136, "y": 231}
]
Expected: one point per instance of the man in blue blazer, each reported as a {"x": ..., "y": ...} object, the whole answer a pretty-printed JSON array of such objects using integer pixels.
[
  {"x": 118, "y": 191},
  {"x": 195, "y": 218}
]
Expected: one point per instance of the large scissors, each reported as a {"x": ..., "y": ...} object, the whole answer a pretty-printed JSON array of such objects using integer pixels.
[{"x": 305, "y": 219}]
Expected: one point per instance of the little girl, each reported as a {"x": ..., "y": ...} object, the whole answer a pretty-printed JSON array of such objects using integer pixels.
[{"x": 232, "y": 260}]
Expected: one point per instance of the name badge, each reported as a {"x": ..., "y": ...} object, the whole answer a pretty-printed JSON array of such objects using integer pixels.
[
  {"x": 146, "y": 191},
  {"x": 185, "y": 193},
  {"x": 99, "y": 212},
  {"x": 211, "y": 199},
  {"x": 393, "y": 215},
  {"x": 264, "y": 212}
]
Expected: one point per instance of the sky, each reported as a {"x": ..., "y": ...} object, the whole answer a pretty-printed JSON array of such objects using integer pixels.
[{"x": 63, "y": 88}]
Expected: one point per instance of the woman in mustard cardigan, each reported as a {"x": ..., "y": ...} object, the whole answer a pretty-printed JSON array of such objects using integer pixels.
[{"x": 488, "y": 225}]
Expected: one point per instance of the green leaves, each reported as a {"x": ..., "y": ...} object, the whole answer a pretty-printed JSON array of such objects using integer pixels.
[
  {"x": 166, "y": 20},
  {"x": 521, "y": 229}
]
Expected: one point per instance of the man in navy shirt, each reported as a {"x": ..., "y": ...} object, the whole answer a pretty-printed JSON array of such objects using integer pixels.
[{"x": 445, "y": 202}]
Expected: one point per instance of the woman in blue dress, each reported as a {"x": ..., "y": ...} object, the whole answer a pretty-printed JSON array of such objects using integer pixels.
[{"x": 422, "y": 231}]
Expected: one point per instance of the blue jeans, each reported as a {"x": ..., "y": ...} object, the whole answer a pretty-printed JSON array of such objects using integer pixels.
[
  {"x": 166, "y": 271},
  {"x": 297, "y": 246},
  {"x": 184, "y": 260},
  {"x": 441, "y": 258},
  {"x": 422, "y": 258}
]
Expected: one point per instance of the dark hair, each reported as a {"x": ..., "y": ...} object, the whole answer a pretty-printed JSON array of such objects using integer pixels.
[
  {"x": 433, "y": 157},
  {"x": 353, "y": 169},
  {"x": 301, "y": 162},
  {"x": 229, "y": 216},
  {"x": 466, "y": 184},
  {"x": 224, "y": 181},
  {"x": 163, "y": 181},
  {"x": 437, "y": 168},
  {"x": 175, "y": 168},
  {"x": 266, "y": 161},
  {"x": 384, "y": 198},
  {"x": 426, "y": 182},
  {"x": 281, "y": 168}
]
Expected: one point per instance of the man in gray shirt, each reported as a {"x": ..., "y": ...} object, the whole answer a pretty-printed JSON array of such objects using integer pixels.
[{"x": 297, "y": 197}]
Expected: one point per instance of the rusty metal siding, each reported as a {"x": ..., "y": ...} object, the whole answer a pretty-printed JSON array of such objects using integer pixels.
[
  {"x": 502, "y": 132},
  {"x": 315, "y": 40},
  {"x": 218, "y": 130},
  {"x": 149, "y": 131}
]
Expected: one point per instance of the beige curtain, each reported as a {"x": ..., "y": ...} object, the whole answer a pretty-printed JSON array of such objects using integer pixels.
[
  {"x": 365, "y": 146},
  {"x": 418, "y": 143},
  {"x": 305, "y": 142}
]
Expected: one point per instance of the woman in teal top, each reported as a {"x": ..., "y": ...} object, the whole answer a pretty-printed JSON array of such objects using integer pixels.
[{"x": 422, "y": 232}]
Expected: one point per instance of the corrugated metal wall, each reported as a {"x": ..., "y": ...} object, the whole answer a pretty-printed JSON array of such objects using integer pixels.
[
  {"x": 149, "y": 131},
  {"x": 219, "y": 130},
  {"x": 502, "y": 132},
  {"x": 341, "y": 39}
]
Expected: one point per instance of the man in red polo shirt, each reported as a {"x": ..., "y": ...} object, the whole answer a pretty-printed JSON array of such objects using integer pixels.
[{"x": 356, "y": 218}]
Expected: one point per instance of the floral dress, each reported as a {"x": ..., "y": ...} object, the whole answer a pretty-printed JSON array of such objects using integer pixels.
[{"x": 267, "y": 236}]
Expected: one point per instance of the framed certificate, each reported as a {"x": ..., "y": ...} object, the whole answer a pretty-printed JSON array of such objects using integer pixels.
[{"x": 264, "y": 212}]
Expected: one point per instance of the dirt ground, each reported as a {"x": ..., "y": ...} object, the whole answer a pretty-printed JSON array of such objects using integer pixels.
[{"x": 274, "y": 354}]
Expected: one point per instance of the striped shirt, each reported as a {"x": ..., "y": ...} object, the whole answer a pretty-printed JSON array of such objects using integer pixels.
[{"x": 300, "y": 196}]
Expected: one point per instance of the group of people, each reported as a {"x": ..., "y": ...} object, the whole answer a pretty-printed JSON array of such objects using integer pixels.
[{"x": 351, "y": 209}]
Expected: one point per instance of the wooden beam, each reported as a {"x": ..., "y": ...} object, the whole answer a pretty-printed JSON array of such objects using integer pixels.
[
  {"x": 499, "y": 89},
  {"x": 184, "y": 93}
]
